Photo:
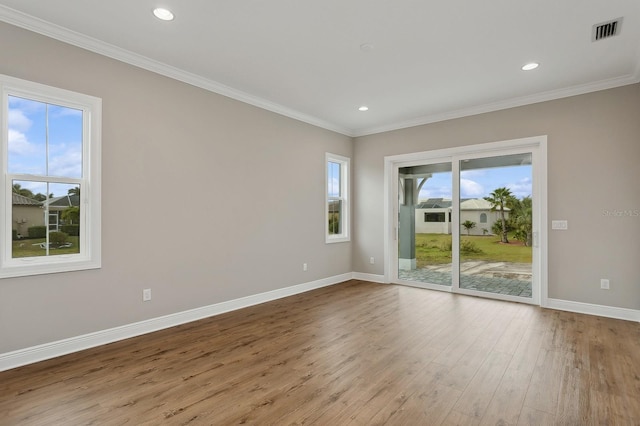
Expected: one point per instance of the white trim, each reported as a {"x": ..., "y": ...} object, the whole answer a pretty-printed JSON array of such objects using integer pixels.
[
  {"x": 68, "y": 36},
  {"x": 591, "y": 309},
  {"x": 50, "y": 350},
  {"x": 345, "y": 197},
  {"x": 425, "y": 286},
  {"x": 390, "y": 232},
  {"x": 550, "y": 95},
  {"x": 540, "y": 161},
  {"x": 374, "y": 278},
  {"x": 90, "y": 222},
  {"x": 497, "y": 296},
  {"x": 65, "y": 35},
  {"x": 534, "y": 144}
]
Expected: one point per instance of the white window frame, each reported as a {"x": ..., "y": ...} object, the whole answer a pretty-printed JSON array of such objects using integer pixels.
[
  {"x": 90, "y": 220},
  {"x": 345, "y": 170}
]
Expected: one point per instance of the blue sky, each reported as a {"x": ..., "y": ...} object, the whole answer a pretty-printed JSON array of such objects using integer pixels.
[
  {"x": 479, "y": 183},
  {"x": 333, "y": 175},
  {"x": 28, "y": 143}
]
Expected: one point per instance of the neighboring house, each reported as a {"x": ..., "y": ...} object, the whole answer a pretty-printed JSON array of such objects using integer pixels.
[
  {"x": 26, "y": 212},
  {"x": 57, "y": 205},
  {"x": 433, "y": 216}
]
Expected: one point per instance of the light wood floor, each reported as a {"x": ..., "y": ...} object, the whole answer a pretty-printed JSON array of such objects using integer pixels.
[{"x": 352, "y": 354}]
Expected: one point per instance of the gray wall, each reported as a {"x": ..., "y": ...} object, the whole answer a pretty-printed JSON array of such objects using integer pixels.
[
  {"x": 251, "y": 184},
  {"x": 593, "y": 155},
  {"x": 175, "y": 158}
]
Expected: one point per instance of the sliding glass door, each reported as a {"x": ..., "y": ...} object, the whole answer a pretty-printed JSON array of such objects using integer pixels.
[
  {"x": 467, "y": 220},
  {"x": 424, "y": 231},
  {"x": 496, "y": 224}
]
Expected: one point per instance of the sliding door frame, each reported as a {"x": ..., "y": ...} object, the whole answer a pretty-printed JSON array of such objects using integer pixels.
[{"x": 537, "y": 145}]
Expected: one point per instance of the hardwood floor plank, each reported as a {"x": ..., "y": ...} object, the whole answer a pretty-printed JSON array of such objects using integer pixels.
[
  {"x": 455, "y": 418},
  {"x": 507, "y": 401},
  {"x": 355, "y": 353},
  {"x": 427, "y": 405},
  {"x": 476, "y": 397},
  {"x": 467, "y": 365},
  {"x": 545, "y": 383},
  {"x": 533, "y": 417}
]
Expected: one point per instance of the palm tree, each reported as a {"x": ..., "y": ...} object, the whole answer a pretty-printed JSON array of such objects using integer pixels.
[
  {"x": 18, "y": 189},
  {"x": 468, "y": 225},
  {"x": 521, "y": 218},
  {"x": 499, "y": 199}
]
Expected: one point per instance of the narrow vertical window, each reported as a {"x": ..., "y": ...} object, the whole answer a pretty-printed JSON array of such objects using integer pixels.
[
  {"x": 50, "y": 181},
  {"x": 337, "y": 198}
]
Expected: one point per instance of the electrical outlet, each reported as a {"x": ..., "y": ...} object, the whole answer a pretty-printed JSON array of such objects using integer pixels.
[
  {"x": 304, "y": 267},
  {"x": 372, "y": 260},
  {"x": 146, "y": 294},
  {"x": 562, "y": 225},
  {"x": 604, "y": 284}
]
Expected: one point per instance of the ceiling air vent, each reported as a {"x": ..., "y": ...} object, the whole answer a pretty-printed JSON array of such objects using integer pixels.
[{"x": 606, "y": 29}]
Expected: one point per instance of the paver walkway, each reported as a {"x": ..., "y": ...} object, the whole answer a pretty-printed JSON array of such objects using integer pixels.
[{"x": 512, "y": 279}]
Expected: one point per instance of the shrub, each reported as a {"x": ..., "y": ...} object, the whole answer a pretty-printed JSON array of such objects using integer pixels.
[
  {"x": 37, "y": 232},
  {"x": 71, "y": 215},
  {"x": 72, "y": 230},
  {"x": 334, "y": 224},
  {"x": 14, "y": 234},
  {"x": 58, "y": 238},
  {"x": 496, "y": 228},
  {"x": 468, "y": 247}
]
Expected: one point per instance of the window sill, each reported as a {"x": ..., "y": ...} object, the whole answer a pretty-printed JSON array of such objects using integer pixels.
[{"x": 338, "y": 239}]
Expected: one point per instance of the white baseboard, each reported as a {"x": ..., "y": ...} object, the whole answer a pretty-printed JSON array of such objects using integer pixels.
[
  {"x": 369, "y": 277},
  {"x": 591, "y": 309},
  {"x": 50, "y": 350}
]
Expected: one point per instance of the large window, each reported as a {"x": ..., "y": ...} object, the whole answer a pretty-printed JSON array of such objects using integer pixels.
[
  {"x": 50, "y": 184},
  {"x": 337, "y": 199}
]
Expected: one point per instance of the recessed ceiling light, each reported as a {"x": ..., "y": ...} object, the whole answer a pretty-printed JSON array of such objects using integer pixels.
[
  {"x": 164, "y": 14},
  {"x": 530, "y": 66},
  {"x": 363, "y": 108}
]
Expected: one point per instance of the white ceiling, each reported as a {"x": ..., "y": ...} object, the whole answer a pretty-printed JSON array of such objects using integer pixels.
[{"x": 431, "y": 60}]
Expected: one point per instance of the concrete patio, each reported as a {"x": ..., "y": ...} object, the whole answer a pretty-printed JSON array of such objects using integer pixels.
[{"x": 513, "y": 279}]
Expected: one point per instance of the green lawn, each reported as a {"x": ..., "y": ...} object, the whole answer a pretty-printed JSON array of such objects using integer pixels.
[
  {"x": 31, "y": 248},
  {"x": 434, "y": 249}
]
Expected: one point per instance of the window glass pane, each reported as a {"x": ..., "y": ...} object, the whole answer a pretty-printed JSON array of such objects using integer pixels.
[
  {"x": 27, "y": 136},
  {"x": 44, "y": 139},
  {"x": 45, "y": 225},
  {"x": 424, "y": 215},
  {"x": 333, "y": 185},
  {"x": 65, "y": 142},
  {"x": 496, "y": 257},
  {"x": 335, "y": 217},
  {"x": 52, "y": 145}
]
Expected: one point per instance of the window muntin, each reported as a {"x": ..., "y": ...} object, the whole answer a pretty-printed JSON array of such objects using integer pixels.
[
  {"x": 337, "y": 201},
  {"x": 50, "y": 181}
]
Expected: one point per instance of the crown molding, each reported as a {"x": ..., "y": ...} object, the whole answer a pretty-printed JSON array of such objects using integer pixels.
[
  {"x": 37, "y": 25},
  {"x": 580, "y": 89},
  {"x": 65, "y": 35}
]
